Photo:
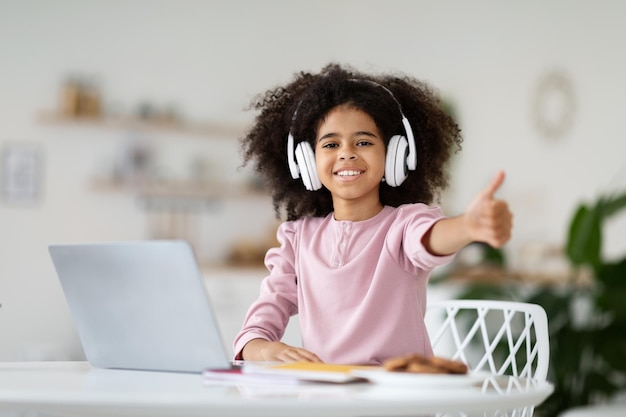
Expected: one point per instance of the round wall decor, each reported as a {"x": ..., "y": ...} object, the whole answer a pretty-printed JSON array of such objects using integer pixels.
[{"x": 554, "y": 104}]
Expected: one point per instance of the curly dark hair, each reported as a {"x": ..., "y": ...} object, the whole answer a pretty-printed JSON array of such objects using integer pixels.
[{"x": 437, "y": 135}]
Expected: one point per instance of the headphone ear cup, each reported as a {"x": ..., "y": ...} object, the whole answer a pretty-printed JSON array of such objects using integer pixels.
[
  {"x": 305, "y": 157},
  {"x": 395, "y": 162}
]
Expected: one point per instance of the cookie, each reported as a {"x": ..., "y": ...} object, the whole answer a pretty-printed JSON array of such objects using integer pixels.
[
  {"x": 415, "y": 363},
  {"x": 400, "y": 363},
  {"x": 449, "y": 365},
  {"x": 424, "y": 368}
]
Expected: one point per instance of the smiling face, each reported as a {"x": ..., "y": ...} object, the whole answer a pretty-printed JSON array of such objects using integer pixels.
[{"x": 350, "y": 159}]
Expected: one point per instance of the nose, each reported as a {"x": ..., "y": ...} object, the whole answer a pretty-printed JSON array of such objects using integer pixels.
[{"x": 347, "y": 153}]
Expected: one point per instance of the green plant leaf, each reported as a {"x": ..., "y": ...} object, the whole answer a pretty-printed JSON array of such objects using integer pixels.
[
  {"x": 612, "y": 205},
  {"x": 480, "y": 291},
  {"x": 613, "y": 274},
  {"x": 598, "y": 385},
  {"x": 584, "y": 241},
  {"x": 493, "y": 256},
  {"x": 611, "y": 295},
  {"x": 611, "y": 351}
]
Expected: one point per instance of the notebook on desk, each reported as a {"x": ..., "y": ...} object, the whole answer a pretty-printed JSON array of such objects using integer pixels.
[{"x": 140, "y": 305}]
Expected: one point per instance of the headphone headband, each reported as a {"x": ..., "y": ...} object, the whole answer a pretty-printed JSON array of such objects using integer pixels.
[
  {"x": 301, "y": 158},
  {"x": 412, "y": 157}
]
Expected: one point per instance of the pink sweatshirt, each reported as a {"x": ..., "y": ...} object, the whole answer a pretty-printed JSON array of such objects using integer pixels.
[{"x": 359, "y": 288}]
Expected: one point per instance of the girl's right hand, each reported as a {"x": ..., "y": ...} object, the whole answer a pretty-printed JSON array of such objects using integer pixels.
[{"x": 264, "y": 350}]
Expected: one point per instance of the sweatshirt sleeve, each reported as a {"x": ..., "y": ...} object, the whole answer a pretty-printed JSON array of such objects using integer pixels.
[
  {"x": 418, "y": 219},
  {"x": 269, "y": 315}
]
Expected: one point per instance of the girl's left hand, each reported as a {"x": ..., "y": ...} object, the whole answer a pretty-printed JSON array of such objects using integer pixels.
[{"x": 487, "y": 219}]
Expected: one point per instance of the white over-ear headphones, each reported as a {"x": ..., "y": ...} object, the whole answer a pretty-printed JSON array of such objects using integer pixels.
[{"x": 401, "y": 154}]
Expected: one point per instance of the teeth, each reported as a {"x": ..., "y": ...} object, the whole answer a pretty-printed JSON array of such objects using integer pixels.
[{"x": 348, "y": 173}]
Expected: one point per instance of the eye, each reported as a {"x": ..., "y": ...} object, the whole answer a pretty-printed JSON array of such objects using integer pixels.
[
  {"x": 329, "y": 145},
  {"x": 364, "y": 143}
]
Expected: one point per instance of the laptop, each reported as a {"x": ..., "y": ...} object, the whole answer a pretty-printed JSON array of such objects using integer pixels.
[{"x": 140, "y": 305}]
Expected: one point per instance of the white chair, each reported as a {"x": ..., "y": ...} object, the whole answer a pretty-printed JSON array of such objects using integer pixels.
[{"x": 501, "y": 337}]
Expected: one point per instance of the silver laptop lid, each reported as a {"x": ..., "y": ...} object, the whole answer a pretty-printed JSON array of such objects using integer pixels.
[{"x": 140, "y": 305}]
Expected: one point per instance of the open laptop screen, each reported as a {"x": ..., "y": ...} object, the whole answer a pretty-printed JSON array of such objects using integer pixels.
[{"x": 140, "y": 305}]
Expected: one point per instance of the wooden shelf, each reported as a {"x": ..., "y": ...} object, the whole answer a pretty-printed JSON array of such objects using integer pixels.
[
  {"x": 180, "y": 190},
  {"x": 208, "y": 129},
  {"x": 151, "y": 189}
]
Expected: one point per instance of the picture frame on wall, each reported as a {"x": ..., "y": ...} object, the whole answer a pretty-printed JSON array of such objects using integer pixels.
[{"x": 21, "y": 174}]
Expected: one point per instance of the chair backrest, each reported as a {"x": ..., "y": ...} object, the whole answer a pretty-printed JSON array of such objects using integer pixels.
[{"x": 501, "y": 337}]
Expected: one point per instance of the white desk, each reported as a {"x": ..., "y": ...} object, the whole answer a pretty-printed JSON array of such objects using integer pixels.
[{"x": 76, "y": 389}]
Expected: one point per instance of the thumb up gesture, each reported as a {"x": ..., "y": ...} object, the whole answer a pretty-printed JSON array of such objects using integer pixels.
[{"x": 488, "y": 219}]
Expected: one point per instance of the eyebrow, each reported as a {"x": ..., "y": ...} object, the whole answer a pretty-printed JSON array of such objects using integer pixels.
[{"x": 359, "y": 133}]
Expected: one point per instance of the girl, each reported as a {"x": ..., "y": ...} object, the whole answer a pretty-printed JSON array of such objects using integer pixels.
[{"x": 352, "y": 160}]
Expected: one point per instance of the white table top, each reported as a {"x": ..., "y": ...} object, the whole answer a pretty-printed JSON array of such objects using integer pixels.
[{"x": 77, "y": 389}]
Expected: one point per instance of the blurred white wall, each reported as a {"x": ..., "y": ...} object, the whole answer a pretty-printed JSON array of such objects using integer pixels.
[{"x": 209, "y": 58}]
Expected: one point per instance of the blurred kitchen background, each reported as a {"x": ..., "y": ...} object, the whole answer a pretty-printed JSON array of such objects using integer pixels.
[{"x": 119, "y": 120}]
